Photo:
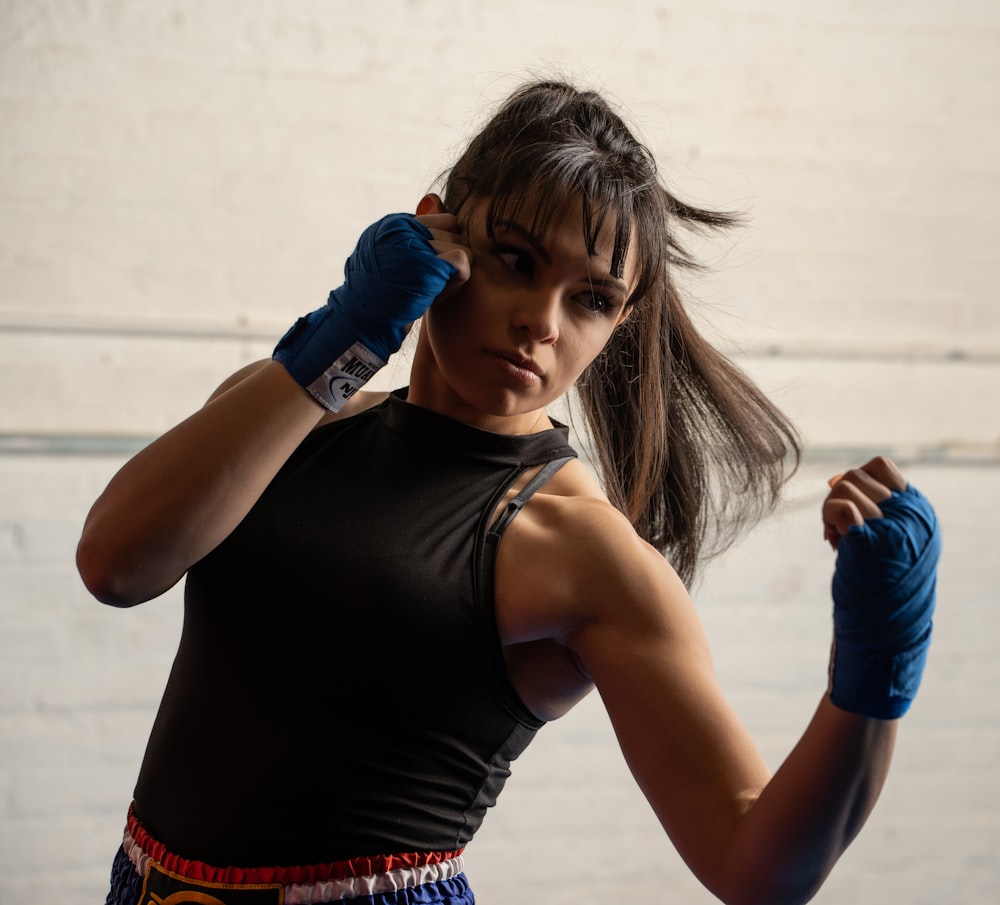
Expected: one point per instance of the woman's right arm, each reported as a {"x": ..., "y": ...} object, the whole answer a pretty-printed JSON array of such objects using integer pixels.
[
  {"x": 183, "y": 494},
  {"x": 179, "y": 497}
]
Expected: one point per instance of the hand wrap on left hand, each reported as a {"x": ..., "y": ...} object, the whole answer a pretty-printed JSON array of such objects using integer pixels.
[{"x": 884, "y": 590}]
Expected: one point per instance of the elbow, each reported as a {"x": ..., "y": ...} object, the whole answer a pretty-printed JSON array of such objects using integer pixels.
[
  {"x": 784, "y": 897},
  {"x": 772, "y": 890},
  {"x": 100, "y": 575},
  {"x": 771, "y": 897},
  {"x": 768, "y": 878}
]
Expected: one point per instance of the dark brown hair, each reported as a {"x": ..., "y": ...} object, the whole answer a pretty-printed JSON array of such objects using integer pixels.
[{"x": 687, "y": 446}]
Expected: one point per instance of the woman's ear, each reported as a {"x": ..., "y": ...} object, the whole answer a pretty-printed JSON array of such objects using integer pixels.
[{"x": 431, "y": 204}]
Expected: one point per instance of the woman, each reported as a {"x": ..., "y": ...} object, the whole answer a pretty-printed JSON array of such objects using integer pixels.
[{"x": 388, "y": 594}]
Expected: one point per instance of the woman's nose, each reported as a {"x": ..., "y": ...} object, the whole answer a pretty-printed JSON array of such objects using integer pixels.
[{"x": 538, "y": 315}]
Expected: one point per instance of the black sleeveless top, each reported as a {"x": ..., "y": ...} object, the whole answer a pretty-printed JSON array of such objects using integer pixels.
[{"x": 339, "y": 689}]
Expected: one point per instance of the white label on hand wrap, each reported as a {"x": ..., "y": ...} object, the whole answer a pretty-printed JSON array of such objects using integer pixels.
[{"x": 348, "y": 374}]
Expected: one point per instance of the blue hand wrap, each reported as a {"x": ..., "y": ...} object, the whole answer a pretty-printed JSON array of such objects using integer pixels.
[
  {"x": 883, "y": 596},
  {"x": 389, "y": 282}
]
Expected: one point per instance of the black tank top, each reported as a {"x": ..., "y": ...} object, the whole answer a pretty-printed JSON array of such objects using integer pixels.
[{"x": 339, "y": 689}]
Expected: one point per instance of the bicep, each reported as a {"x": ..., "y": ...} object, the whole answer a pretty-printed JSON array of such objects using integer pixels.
[{"x": 646, "y": 651}]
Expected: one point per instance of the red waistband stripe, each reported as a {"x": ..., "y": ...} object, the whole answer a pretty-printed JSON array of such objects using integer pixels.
[{"x": 305, "y": 884}]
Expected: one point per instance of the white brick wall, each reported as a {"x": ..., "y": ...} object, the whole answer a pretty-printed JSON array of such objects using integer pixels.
[{"x": 179, "y": 180}]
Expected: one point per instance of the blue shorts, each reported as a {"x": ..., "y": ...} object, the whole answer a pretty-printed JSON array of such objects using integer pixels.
[{"x": 145, "y": 873}]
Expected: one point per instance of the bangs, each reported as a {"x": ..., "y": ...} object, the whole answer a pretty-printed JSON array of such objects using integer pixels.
[
  {"x": 538, "y": 185},
  {"x": 550, "y": 148}
]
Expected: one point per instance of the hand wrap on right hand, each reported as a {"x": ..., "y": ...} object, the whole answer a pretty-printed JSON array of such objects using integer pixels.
[
  {"x": 390, "y": 280},
  {"x": 884, "y": 590}
]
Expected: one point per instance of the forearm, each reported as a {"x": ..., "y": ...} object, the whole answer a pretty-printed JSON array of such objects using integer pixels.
[
  {"x": 888, "y": 544},
  {"x": 178, "y": 498},
  {"x": 812, "y": 808}
]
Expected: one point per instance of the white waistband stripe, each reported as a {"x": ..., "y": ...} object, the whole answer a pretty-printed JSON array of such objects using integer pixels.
[{"x": 334, "y": 890}]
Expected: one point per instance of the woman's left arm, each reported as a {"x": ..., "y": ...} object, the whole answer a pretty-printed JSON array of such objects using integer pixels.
[{"x": 750, "y": 837}]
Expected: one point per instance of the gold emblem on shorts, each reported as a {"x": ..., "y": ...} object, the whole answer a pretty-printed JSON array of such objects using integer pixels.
[{"x": 162, "y": 887}]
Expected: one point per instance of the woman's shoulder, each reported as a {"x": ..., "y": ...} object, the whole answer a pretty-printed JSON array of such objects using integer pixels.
[
  {"x": 573, "y": 500},
  {"x": 571, "y": 559},
  {"x": 571, "y": 522}
]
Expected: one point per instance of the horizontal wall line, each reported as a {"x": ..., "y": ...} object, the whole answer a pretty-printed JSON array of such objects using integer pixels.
[
  {"x": 71, "y": 445},
  {"x": 270, "y": 332},
  {"x": 883, "y": 355},
  {"x": 143, "y": 330},
  {"x": 23, "y": 444}
]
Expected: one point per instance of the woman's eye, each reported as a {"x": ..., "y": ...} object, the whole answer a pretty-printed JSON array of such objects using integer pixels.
[
  {"x": 517, "y": 261},
  {"x": 595, "y": 302}
]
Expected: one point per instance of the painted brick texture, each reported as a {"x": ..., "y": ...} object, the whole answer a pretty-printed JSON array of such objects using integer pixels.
[{"x": 180, "y": 180}]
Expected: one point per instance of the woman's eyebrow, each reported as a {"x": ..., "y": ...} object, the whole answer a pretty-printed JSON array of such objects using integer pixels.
[
  {"x": 610, "y": 283},
  {"x": 539, "y": 248},
  {"x": 526, "y": 234}
]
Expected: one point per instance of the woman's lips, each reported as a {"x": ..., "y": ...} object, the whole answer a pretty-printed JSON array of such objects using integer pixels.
[{"x": 524, "y": 369}]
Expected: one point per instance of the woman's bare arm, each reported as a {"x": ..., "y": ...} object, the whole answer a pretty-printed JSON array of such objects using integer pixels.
[
  {"x": 181, "y": 495},
  {"x": 749, "y": 836}
]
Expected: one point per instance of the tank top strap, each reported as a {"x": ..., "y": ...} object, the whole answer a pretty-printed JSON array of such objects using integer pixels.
[
  {"x": 517, "y": 503},
  {"x": 485, "y": 572}
]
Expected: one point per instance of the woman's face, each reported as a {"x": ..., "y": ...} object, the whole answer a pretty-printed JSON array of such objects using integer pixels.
[{"x": 535, "y": 311}]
